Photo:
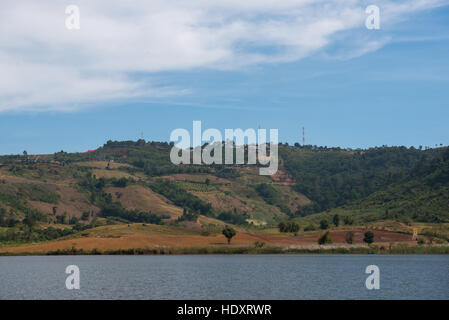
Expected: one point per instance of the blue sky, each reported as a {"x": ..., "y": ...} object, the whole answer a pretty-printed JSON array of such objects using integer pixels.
[{"x": 395, "y": 94}]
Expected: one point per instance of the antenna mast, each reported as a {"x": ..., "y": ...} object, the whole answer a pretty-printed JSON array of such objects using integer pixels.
[{"x": 303, "y": 137}]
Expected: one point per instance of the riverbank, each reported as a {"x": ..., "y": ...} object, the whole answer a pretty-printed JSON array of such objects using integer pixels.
[{"x": 243, "y": 250}]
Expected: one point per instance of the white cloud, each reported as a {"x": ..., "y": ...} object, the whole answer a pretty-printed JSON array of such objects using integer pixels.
[{"x": 44, "y": 66}]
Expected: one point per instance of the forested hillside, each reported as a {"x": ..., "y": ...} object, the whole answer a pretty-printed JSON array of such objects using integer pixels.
[
  {"x": 398, "y": 181},
  {"x": 135, "y": 181},
  {"x": 423, "y": 196}
]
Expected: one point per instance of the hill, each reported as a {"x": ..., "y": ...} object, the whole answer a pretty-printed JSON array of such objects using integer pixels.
[
  {"x": 62, "y": 195},
  {"x": 423, "y": 195},
  {"x": 408, "y": 182}
]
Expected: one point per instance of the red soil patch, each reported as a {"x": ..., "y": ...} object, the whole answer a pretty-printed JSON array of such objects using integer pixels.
[
  {"x": 282, "y": 177},
  {"x": 195, "y": 240}
]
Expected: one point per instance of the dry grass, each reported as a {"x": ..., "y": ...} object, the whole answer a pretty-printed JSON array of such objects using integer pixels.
[
  {"x": 102, "y": 164},
  {"x": 153, "y": 236},
  {"x": 223, "y": 202},
  {"x": 137, "y": 197},
  {"x": 291, "y": 198},
  {"x": 109, "y": 174},
  {"x": 71, "y": 201},
  {"x": 199, "y": 178}
]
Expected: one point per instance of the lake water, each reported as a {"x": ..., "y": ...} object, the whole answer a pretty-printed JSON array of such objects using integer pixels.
[{"x": 226, "y": 277}]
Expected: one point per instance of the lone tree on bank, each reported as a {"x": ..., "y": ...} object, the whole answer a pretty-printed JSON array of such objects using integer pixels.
[
  {"x": 228, "y": 232},
  {"x": 325, "y": 239},
  {"x": 369, "y": 237}
]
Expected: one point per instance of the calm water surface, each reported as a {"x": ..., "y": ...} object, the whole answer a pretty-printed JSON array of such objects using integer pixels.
[{"x": 226, "y": 277}]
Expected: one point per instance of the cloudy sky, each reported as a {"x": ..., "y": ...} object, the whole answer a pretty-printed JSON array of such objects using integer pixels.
[{"x": 149, "y": 67}]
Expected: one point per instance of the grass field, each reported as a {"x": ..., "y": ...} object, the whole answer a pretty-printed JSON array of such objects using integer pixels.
[
  {"x": 138, "y": 235},
  {"x": 137, "y": 197},
  {"x": 66, "y": 189}
]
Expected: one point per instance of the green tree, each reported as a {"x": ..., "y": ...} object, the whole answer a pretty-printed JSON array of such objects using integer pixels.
[
  {"x": 325, "y": 239},
  {"x": 349, "y": 237},
  {"x": 282, "y": 226},
  {"x": 2, "y": 217},
  {"x": 288, "y": 226},
  {"x": 73, "y": 220},
  {"x": 369, "y": 237},
  {"x": 229, "y": 233},
  {"x": 32, "y": 218},
  {"x": 348, "y": 220},
  {"x": 121, "y": 183},
  {"x": 85, "y": 216},
  {"x": 189, "y": 215},
  {"x": 62, "y": 219},
  {"x": 336, "y": 220},
  {"x": 324, "y": 224},
  {"x": 268, "y": 193}
]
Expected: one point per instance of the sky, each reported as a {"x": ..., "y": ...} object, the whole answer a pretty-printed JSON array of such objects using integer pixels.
[{"x": 145, "y": 69}]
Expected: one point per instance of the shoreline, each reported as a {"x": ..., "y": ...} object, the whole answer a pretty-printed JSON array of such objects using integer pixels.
[{"x": 240, "y": 250}]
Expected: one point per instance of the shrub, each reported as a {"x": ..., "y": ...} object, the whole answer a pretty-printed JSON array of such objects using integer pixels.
[
  {"x": 120, "y": 183},
  {"x": 189, "y": 215},
  {"x": 116, "y": 210},
  {"x": 349, "y": 237},
  {"x": 181, "y": 197},
  {"x": 267, "y": 192},
  {"x": 205, "y": 233},
  {"x": 288, "y": 226},
  {"x": 232, "y": 217},
  {"x": 348, "y": 220},
  {"x": 324, "y": 224},
  {"x": 259, "y": 244},
  {"x": 325, "y": 239},
  {"x": 336, "y": 220},
  {"x": 73, "y": 220},
  {"x": 369, "y": 237},
  {"x": 285, "y": 209},
  {"x": 310, "y": 228},
  {"x": 85, "y": 216}
]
